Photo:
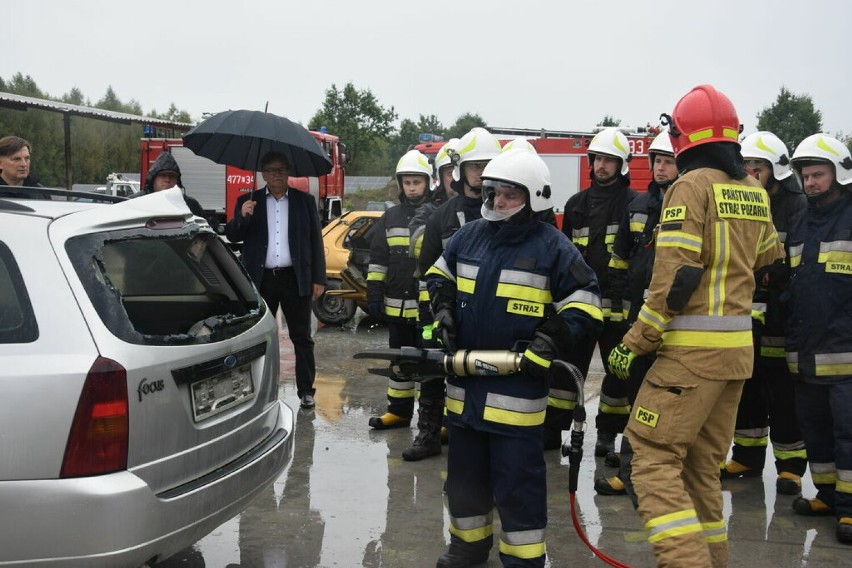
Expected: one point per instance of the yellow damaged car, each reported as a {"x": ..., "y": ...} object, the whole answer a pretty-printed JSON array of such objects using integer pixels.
[{"x": 351, "y": 232}]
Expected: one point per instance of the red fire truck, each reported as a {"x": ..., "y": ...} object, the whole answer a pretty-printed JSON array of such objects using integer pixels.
[
  {"x": 565, "y": 155},
  {"x": 217, "y": 187}
]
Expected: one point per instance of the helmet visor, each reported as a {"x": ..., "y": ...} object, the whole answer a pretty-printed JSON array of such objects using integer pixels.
[{"x": 502, "y": 199}]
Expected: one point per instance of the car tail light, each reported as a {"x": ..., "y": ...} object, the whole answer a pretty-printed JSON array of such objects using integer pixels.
[{"x": 98, "y": 440}]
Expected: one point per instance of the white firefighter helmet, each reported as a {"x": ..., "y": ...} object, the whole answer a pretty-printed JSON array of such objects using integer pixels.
[
  {"x": 519, "y": 143},
  {"x": 413, "y": 163},
  {"x": 611, "y": 142},
  {"x": 662, "y": 144},
  {"x": 823, "y": 148},
  {"x": 445, "y": 155},
  {"x": 766, "y": 146},
  {"x": 478, "y": 145},
  {"x": 519, "y": 168}
]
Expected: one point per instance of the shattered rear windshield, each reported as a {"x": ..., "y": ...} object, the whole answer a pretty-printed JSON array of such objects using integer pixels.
[{"x": 166, "y": 287}]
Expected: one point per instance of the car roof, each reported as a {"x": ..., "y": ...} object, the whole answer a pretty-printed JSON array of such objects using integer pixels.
[{"x": 43, "y": 208}]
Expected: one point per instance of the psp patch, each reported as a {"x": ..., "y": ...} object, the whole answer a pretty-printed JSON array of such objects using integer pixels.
[
  {"x": 677, "y": 213},
  {"x": 646, "y": 417},
  {"x": 521, "y": 307}
]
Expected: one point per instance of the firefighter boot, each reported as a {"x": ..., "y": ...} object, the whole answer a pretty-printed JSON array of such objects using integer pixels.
[
  {"x": 612, "y": 459},
  {"x": 734, "y": 470},
  {"x": 389, "y": 420},
  {"x": 844, "y": 530},
  {"x": 811, "y": 507},
  {"x": 605, "y": 443},
  {"x": 428, "y": 440},
  {"x": 610, "y": 486},
  {"x": 464, "y": 554},
  {"x": 788, "y": 483}
]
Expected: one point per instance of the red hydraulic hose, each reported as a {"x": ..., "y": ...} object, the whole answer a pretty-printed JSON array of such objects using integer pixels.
[{"x": 574, "y": 452}]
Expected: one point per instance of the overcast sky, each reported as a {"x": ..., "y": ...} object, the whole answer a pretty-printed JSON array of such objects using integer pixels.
[{"x": 557, "y": 65}]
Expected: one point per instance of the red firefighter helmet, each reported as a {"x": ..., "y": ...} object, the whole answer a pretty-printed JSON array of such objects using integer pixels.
[{"x": 701, "y": 116}]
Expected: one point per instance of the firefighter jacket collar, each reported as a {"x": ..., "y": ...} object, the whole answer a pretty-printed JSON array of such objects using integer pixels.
[{"x": 724, "y": 156}]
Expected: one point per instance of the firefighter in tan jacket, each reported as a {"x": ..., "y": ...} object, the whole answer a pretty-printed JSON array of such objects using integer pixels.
[{"x": 715, "y": 231}]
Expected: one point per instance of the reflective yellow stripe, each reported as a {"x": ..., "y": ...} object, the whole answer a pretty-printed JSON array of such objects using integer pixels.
[
  {"x": 833, "y": 364},
  {"x": 398, "y": 241},
  {"x": 423, "y": 296},
  {"x": 719, "y": 269},
  {"x": 790, "y": 454},
  {"x": 400, "y": 393},
  {"x": 376, "y": 276},
  {"x": 824, "y": 478},
  {"x": 701, "y": 135},
  {"x": 466, "y": 285},
  {"x": 679, "y": 239},
  {"x": 618, "y": 264},
  {"x": 513, "y": 418},
  {"x": 559, "y": 398},
  {"x": 607, "y": 409},
  {"x": 637, "y": 227},
  {"x": 752, "y": 442},
  {"x": 707, "y": 338},
  {"x": 522, "y": 293},
  {"x": 455, "y": 406},
  {"x": 673, "y": 524},
  {"x": 473, "y": 534},
  {"x": 594, "y": 311},
  {"x": 730, "y": 133},
  {"x": 652, "y": 318},
  {"x": 777, "y": 352},
  {"x": 715, "y": 531},
  {"x": 525, "y": 551},
  {"x": 581, "y": 241},
  {"x": 536, "y": 359}
]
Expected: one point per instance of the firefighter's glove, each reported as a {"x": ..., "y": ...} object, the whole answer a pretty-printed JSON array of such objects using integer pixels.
[
  {"x": 619, "y": 361},
  {"x": 428, "y": 338},
  {"x": 538, "y": 357},
  {"x": 444, "y": 329},
  {"x": 375, "y": 309}
]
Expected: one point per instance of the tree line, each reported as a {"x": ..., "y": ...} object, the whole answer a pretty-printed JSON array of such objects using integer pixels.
[
  {"x": 97, "y": 147},
  {"x": 368, "y": 128}
]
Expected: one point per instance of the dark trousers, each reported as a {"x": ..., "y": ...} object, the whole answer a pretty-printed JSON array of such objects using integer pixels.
[
  {"x": 825, "y": 417},
  {"x": 614, "y": 408},
  {"x": 484, "y": 470},
  {"x": 401, "y": 394},
  {"x": 768, "y": 403},
  {"x": 279, "y": 289}
]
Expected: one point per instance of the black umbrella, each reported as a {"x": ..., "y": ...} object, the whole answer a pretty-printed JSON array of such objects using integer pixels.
[{"x": 240, "y": 138}]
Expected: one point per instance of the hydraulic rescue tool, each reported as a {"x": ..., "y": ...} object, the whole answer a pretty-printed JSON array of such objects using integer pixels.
[{"x": 415, "y": 364}]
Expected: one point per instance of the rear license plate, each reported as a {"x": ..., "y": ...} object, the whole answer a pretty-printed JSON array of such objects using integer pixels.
[{"x": 218, "y": 393}]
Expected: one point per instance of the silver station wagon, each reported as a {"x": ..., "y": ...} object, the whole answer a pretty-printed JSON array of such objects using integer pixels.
[{"x": 139, "y": 374}]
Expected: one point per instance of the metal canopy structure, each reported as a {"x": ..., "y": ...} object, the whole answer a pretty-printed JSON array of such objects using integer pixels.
[{"x": 19, "y": 102}]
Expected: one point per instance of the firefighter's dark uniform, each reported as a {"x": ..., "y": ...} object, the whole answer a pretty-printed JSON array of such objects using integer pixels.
[
  {"x": 591, "y": 220},
  {"x": 391, "y": 280},
  {"x": 715, "y": 232},
  {"x": 819, "y": 345},
  {"x": 508, "y": 280},
  {"x": 630, "y": 269},
  {"x": 767, "y": 409}
]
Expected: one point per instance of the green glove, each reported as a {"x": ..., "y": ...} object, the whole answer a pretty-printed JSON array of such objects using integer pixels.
[{"x": 619, "y": 361}]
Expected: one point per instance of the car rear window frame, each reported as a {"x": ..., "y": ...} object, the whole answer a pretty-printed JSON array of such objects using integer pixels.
[
  {"x": 27, "y": 331},
  {"x": 107, "y": 299}
]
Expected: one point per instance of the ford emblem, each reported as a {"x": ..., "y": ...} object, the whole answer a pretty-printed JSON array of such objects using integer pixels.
[{"x": 230, "y": 361}]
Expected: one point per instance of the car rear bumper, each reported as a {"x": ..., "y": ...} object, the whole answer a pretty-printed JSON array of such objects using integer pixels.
[{"x": 116, "y": 520}]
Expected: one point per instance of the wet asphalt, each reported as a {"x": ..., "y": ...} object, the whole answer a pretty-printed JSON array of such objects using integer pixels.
[{"x": 348, "y": 499}]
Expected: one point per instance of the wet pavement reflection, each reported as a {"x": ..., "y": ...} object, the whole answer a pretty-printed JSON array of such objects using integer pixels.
[{"x": 348, "y": 499}]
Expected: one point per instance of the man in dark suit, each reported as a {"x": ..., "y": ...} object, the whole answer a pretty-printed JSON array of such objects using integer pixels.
[{"x": 284, "y": 255}]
